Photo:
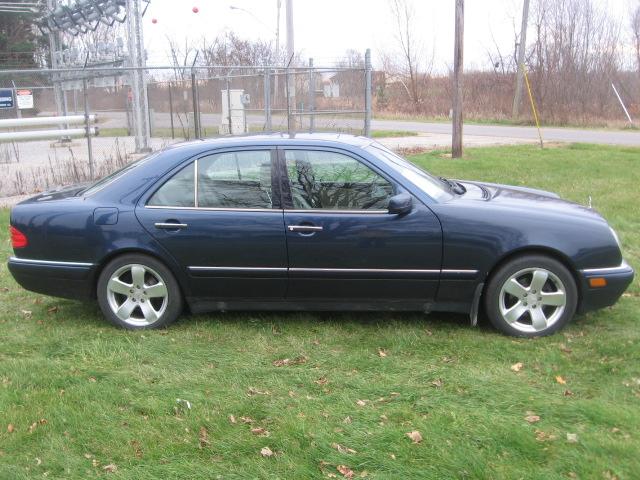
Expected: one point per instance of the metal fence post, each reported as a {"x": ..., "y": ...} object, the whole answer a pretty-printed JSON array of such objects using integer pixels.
[
  {"x": 173, "y": 135},
  {"x": 194, "y": 98},
  {"x": 267, "y": 100},
  {"x": 229, "y": 120},
  {"x": 367, "y": 93},
  {"x": 312, "y": 96},
  {"x": 87, "y": 128},
  {"x": 290, "y": 126}
]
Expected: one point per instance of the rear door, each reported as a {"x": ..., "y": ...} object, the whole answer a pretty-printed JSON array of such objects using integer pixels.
[
  {"x": 221, "y": 218},
  {"x": 343, "y": 244}
]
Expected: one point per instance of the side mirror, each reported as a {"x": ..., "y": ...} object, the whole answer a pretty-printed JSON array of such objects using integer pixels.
[{"x": 400, "y": 204}]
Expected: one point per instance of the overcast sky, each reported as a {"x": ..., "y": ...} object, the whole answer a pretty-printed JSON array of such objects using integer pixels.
[{"x": 325, "y": 29}]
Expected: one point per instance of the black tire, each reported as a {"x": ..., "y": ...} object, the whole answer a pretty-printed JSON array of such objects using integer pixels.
[
  {"x": 165, "y": 309},
  {"x": 533, "y": 303}
]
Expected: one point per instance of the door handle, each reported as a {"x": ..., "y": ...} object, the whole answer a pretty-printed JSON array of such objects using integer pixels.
[
  {"x": 304, "y": 228},
  {"x": 170, "y": 225}
]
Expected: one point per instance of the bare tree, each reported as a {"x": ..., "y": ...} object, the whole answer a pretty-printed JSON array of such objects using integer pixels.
[{"x": 410, "y": 68}]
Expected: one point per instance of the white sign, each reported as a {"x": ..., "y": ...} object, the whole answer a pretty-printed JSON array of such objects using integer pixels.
[{"x": 24, "y": 99}]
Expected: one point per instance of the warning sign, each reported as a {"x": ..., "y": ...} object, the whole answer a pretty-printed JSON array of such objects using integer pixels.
[{"x": 24, "y": 99}]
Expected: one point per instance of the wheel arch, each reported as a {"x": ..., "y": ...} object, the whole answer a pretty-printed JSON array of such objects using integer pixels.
[
  {"x": 104, "y": 261},
  {"x": 534, "y": 250}
]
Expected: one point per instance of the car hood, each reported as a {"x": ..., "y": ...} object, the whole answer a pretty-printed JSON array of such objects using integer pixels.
[
  {"x": 528, "y": 200},
  {"x": 58, "y": 193}
]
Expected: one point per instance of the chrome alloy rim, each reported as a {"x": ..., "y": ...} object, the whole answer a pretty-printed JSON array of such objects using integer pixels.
[
  {"x": 532, "y": 300},
  {"x": 137, "y": 295}
]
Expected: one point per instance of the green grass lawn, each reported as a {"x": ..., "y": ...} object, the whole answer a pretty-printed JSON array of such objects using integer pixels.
[{"x": 81, "y": 399}]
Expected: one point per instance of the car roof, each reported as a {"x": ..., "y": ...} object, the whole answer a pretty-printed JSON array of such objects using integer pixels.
[{"x": 275, "y": 139}]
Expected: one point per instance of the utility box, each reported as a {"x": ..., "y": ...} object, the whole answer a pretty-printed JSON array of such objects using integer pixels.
[{"x": 238, "y": 100}]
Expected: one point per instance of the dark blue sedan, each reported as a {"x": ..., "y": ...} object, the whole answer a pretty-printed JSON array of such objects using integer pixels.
[{"x": 313, "y": 222}]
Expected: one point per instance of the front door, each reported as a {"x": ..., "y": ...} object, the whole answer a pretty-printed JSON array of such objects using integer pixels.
[
  {"x": 342, "y": 242},
  {"x": 221, "y": 220}
]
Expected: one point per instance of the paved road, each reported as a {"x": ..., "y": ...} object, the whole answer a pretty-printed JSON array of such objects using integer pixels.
[{"x": 613, "y": 137}]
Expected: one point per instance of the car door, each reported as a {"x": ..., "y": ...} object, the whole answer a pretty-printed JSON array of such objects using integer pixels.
[
  {"x": 221, "y": 219},
  {"x": 342, "y": 241}
]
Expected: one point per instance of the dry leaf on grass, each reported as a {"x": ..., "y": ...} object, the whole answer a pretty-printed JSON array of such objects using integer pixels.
[
  {"x": 560, "y": 380},
  {"x": 52, "y": 310},
  {"x": 361, "y": 403},
  {"x": 342, "y": 448},
  {"x": 11, "y": 428},
  {"x": 415, "y": 436},
  {"x": 346, "y": 419},
  {"x": 568, "y": 393},
  {"x": 382, "y": 352},
  {"x": 266, "y": 452},
  {"x": 516, "y": 367},
  {"x": 437, "y": 383},
  {"x": 26, "y": 313},
  {"x": 137, "y": 449},
  {"x": 34, "y": 425},
  {"x": 346, "y": 471},
  {"x": 564, "y": 348},
  {"x": 203, "y": 437},
  {"x": 321, "y": 381},
  {"x": 232, "y": 419},
  {"x": 111, "y": 468},
  {"x": 531, "y": 418},
  {"x": 544, "y": 437},
  {"x": 260, "y": 431},
  {"x": 289, "y": 362},
  {"x": 247, "y": 419},
  {"x": 254, "y": 391}
]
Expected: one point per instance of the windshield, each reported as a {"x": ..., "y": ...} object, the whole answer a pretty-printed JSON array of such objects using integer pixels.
[
  {"x": 429, "y": 184},
  {"x": 104, "y": 181}
]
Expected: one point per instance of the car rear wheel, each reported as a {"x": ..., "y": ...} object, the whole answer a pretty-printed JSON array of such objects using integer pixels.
[
  {"x": 531, "y": 296},
  {"x": 137, "y": 291}
]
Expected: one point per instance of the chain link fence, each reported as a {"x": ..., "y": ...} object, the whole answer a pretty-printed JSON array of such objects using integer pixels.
[{"x": 184, "y": 103}]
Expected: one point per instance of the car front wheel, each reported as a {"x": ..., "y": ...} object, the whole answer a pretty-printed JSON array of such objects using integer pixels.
[
  {"x": 137, "y": 291},
  {"x": 531, "y": 296}
]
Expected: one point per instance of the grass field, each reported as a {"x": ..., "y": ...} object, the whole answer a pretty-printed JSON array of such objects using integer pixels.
[{"x": 80, "y": 399}]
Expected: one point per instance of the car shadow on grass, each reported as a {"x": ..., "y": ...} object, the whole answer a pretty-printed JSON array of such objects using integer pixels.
[{"x": 87, "y": 314}]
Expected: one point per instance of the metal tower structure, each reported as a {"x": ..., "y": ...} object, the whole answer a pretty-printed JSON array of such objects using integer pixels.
[
  {"x": 138, "y": 77},
  {"x": 86, "y": 15}
]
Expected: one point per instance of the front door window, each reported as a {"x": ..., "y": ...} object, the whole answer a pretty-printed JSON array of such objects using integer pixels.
[{"x": 332, "y": 181}]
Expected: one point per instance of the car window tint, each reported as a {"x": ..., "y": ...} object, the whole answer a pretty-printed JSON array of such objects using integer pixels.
[
  {"x": 178, "y": 191},
  {"x": 235, "y": 180},
  {"x": 330, "y": 180}
]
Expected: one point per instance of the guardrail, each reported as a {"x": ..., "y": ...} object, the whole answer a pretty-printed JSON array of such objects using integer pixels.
[
  {"x": 64, "y": 134},
  {"x": 48, "y": 133}
]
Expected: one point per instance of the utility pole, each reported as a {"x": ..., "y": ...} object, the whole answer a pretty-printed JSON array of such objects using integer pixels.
[
  {"x": 456, "y": 139},
  {"x": 522, "y": 46},
  {"x": 275, "y": 78},
  {"x": 291, "y": 81}
]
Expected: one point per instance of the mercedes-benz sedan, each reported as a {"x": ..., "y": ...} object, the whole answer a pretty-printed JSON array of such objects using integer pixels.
[{"x": 313, "y": 222}]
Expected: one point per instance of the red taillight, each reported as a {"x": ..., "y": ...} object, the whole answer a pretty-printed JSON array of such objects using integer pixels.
[{"x": 18, "y": 239}]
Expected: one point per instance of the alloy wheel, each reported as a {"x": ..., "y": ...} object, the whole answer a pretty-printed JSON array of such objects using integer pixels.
[
  {"x": 137, "y": 295},
  {"x": 532, "y": 300}
]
